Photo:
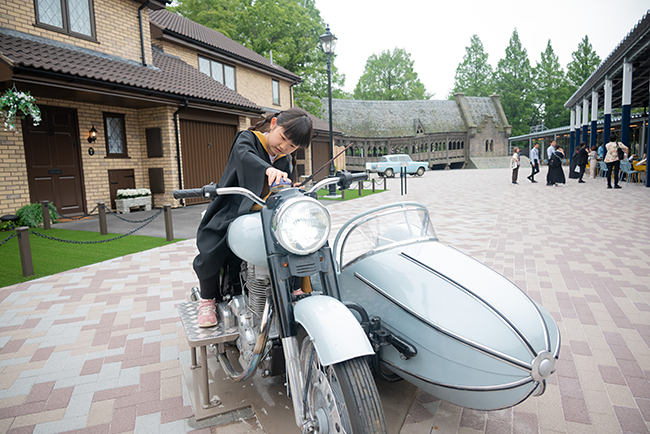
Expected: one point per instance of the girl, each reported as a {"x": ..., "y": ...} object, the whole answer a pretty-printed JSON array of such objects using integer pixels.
[
  {"x": 593, "y": 162},
  {"x": 256, "y": 160}
]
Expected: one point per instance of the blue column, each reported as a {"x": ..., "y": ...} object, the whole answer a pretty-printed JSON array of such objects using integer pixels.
[
  {"x": 572, "y": 137},
  {"x": 627, "y": 103},
  {"x": 647, "y": 148}
]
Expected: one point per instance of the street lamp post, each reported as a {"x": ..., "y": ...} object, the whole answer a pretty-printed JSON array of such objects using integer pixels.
[{"x": 328, "y": 42}]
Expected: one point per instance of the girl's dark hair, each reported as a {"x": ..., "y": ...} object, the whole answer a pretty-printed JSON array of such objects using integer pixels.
[
  {"x": 295, "y": 122},
  {"x": 612, "y": 137}
]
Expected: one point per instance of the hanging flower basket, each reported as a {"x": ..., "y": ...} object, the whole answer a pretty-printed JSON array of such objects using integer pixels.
[{"x": 14, "y": 103}]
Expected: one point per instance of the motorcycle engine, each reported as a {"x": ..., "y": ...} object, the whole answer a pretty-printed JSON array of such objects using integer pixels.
[{"x": 248, "y": 308}]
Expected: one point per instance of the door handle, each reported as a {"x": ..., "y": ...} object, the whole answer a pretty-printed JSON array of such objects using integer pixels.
[
  {"x": 113, "y": 183},
  {"x": 129, "y": 176}
]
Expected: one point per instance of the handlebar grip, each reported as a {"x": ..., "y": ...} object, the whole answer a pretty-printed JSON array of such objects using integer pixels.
[
  {"x": 361, "y": 176},
  {"x": 188, "y": 193}
]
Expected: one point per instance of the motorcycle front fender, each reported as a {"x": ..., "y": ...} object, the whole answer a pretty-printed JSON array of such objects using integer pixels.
[{"x": 336, "y": 333}]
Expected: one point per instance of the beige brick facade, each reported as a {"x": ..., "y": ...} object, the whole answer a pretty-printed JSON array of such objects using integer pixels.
[
  {"x": 117, "y": 27},
  {"x": 14, "y": 188}
]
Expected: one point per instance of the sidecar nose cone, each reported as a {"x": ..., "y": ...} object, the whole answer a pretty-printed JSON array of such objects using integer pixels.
[{"x": 543, "y": 366}]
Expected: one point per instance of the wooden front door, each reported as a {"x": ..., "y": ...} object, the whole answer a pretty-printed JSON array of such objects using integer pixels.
[
  {"x": 320, "y": 154},
  {"x": 119, "y": 179},
  {"x": 53, "y": 157},
  {"x": 206, "y": 147}
]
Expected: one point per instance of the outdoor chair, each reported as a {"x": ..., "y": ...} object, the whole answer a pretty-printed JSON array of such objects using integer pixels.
[
  {"x": 626, "y": 169},
  {"x": 602, "y": 169}
]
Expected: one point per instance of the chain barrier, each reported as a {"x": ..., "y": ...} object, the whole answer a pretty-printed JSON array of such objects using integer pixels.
[
  {"x": 76, "y": 217},
  {"x": 126, "y": 220},
  {"x": 148, "y": 220},
  {"x": 8, "y": 238}
]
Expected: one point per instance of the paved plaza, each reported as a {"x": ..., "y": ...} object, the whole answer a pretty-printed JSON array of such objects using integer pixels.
[{"x": 100, "y": 349}]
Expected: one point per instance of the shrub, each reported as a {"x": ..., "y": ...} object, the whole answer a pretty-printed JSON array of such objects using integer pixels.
[{"x": 32, "y": 216}]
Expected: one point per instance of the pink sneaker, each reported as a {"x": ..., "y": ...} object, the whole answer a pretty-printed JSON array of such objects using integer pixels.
[{"x": 207, "y": 313}]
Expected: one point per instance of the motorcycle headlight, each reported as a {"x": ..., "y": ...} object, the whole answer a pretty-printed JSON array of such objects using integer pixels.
[{"x": 301, "y": 225}]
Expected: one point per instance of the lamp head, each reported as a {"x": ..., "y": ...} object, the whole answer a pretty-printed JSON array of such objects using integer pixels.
[
  {"x": 328, "y": 41},
  {"x": 92, "y": 134}
]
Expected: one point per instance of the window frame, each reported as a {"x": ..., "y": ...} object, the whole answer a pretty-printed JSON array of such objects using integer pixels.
[
  {"x": 211, "y": 63},
  {"x": 65, "y": 15},
  {"x": 273, "y": 95},
  {"x": 125, "y": 151}
]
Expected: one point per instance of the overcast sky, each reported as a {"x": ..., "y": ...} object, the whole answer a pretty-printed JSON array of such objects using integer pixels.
[{"x": 436, "y": 32}]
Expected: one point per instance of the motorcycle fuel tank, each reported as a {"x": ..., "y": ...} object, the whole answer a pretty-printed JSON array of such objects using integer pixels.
[
  {"x": 482, "y": 343},
  {"x": 246, "y": 239}
]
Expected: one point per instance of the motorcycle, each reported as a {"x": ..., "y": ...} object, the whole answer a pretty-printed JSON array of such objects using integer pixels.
[
  {"x": 308, "y": 335},
  {"x": 387, "y": 299}
]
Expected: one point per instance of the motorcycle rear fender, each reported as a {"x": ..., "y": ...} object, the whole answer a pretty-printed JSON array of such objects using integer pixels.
[{"x": 336, "y": 333}]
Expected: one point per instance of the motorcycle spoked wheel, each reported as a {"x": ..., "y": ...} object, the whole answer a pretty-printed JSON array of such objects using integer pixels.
[{"x": 342, "y": 397}]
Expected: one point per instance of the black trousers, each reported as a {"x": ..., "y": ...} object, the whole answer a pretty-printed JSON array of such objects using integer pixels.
[
  {"x": 535, "y": 168},
  {"x": 612, "y": 169}
]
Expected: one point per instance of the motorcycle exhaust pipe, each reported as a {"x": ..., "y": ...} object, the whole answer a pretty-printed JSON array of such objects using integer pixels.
[{"x": 260, "y": 344}]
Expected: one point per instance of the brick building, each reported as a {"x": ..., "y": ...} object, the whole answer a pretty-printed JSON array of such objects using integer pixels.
[
  {"x": 442, "y": 132},
  {"x": 166, "y": 96}
]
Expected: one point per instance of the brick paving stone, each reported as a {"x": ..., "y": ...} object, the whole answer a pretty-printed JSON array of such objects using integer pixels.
[{"x": 110, "y": 330}]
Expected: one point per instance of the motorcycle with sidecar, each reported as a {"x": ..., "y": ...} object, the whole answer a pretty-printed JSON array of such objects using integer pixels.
[{"x": 387, "y": 299}]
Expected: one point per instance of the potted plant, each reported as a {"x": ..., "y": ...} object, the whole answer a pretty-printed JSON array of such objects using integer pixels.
[{"x": 132, "y": 197}]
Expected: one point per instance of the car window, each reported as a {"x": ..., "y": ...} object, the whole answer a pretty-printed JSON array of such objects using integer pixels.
[{"x": 383, "y": 159}]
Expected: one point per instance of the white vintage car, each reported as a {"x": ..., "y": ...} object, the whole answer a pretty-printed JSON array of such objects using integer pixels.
[{"x": 390, "y": 164}]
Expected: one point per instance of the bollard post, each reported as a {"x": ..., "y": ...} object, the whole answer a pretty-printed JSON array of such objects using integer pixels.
[
  {"x": 342, "y": 194},
  {"x": 373, "y": 185},
  {"x": 360, "y": 187},
  {"x": 103, "y": 228},
  {"x": 385, "y": 181},
  {"x": 45, "y": 210},
  {"x": 25, "y": 251},
  {"x": 169, "y": 227}
]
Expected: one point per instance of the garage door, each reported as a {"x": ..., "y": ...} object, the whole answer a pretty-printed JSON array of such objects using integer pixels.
[{"x": 205, "y": 152}]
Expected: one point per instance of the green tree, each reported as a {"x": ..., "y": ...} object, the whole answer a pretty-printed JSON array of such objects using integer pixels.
[
  {"x": 474, "y": 73},
  {"x": 584, "y": 63},
  {"x": 552, "y": 89},
  {"x": 288, "y": 28},
  {"x": 513, "y": 83},
  {"x": 390, "y": 76}
]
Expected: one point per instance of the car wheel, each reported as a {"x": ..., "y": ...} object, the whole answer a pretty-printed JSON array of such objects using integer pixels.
[
  {"x": 389, "y": 173},
  {"x": 420, "y": 171}
]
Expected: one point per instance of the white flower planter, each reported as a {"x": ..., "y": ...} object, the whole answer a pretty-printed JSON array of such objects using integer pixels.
[{"x": 124, "y": 205}]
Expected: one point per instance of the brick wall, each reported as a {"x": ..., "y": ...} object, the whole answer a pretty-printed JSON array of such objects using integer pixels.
[
  {"x": 14, "y": 188},
  {"x": 117, "y": 27}
]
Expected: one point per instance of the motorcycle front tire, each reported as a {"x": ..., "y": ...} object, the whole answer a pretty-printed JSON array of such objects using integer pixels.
[{"x": 357, "y": 404}]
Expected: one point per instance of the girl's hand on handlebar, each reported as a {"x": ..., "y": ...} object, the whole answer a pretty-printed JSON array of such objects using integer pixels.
[{"x": 274, "y": 174}]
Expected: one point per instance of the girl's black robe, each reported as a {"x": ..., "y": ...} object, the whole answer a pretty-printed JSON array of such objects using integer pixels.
[{"x": 246, "y": 167}]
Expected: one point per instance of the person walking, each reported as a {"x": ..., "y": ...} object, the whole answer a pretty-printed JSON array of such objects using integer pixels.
[
  {"x": 616, "y": 151},
  {"x": 582, "y": 160},
  {"x": 514, "y": 165},
  {"x": 534, "y": 162},
  {"x": 549, "y": 153}
]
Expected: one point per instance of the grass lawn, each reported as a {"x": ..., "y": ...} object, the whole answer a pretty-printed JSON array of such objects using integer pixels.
[
  {"x": 349, "y": 194},
  {"x": 51, "y": 257}
]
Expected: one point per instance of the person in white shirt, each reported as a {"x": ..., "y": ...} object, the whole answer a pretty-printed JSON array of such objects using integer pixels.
[{"x": 534, "y": 162}]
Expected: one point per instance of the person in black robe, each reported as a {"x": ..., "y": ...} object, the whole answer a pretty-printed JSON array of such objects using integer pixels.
[
  {"x": 555, "y": 171},
  {"x": 256, "y": 160},
  {"x": 583, "y": 156}
]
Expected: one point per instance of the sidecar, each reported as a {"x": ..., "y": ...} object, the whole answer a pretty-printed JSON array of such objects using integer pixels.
[{"x": 467, "y": 334}]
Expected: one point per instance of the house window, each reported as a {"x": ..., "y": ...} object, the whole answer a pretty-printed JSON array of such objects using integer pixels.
[
  {"x": 276, "y": 92},
  {"x": 115, "y": 133},
  {"x": 74, "y": 17},
  {"x": 224, "y": 74}
]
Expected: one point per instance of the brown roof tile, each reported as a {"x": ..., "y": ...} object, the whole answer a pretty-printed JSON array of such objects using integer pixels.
[
  {"x": 169, "y": 75},
  {"x": 178, "y": 24}
]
